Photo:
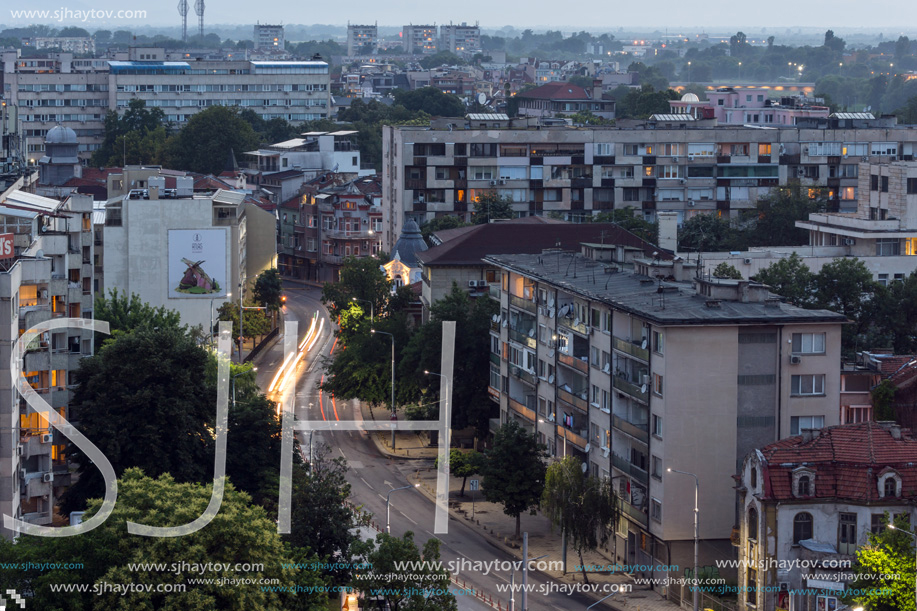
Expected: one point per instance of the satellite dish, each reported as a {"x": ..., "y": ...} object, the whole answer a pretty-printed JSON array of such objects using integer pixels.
[
  {"x": 551, "y": 416},
  {"x": 643, "y": 389},
  {"x": 482, "y": 99},
  {"x": 588, "y": 447},
  {"x": 39, "y": 254},
  {"x": 644, "y": 343},
  {"x": 584, "y": 467},
  {"x": 496, "y": 318}
]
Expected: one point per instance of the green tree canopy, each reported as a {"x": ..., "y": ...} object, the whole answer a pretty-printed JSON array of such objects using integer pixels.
[
  {"x": 205, "y": 143},
  {"x": 708, "y": 232},
  {"x": 449, "y": 221},
  {"x": 776, "y": 213},
  {"x": 464, "y": 464},
  {"x": 725, "y": 270},
  {"x": 490, "y": 205},
  {"x": 430, "y": 100},
  {"x": 514, "y": 472},
  {"x": 269, "y": 289},
  {"x": 846, "y": 286},
  {"x": 884, "y": 570},
  {"x": 627, "y": 219},
  {"x": 136, "y": 137},
  {"x": 790, "y": 278},
  {"x": 125, "y": 313}
]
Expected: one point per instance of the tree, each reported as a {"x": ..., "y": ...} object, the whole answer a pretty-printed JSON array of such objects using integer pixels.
[
  {"x": 627, "y": 219},
  {"x": 776, "y": 213},
  {"x": 440, "y": 223},
  {"x": 846, "y": 286},
  {"x": 240, "y": 533},
  {"x": 790, "y": 278},
  {"x": 268, "y": 289},
  {"x": 442, "y": 58},
  {"x": 471, "y": 405},
  {"x": 254, "y": 322},
  {"x": 833, "y": 42},
  {"x": 144, "y": 402},
  {"x": 584, "y": 506},
  {"x": 514, "y": 471},
  {"x": 883, "y": 396},
  {"x": 423, "y": 587},
  {"x": 708, "y": 232},
  {"x": 430, "y": 100},
  {"x": 725, "y": 270},
  {"x": 125, "y": 313},
  {"x": 884, "y": 569},
  {"x": 896, "y": 313},
  {"x": 210, "y": 136},
  {"x": 360, "y": 279},
  {"x": 464, "y": 464},
  {"x": 138, "y": 136},
  {"x": 490, "y": 205},
  {"x": 73, "y": 32}
]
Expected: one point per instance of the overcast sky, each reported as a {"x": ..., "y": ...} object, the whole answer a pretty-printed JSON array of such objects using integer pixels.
[{"x": 593, "y": 15}]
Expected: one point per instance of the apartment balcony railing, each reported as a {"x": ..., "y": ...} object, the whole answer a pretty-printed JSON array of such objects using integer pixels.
[
  {"x": 526, "y": 412},
  {"x": 631, "y": 349},
  {"x": 525, "y": 304},
  {"x": 632, "y": 512},
  {"x": 571, "y": 323},
  {"x": 625, "y": 466},
  {"x": 495, "y": 291},
  {"x": 522, "y": 374},
  {"x": 580, "y": 364},
  {"x": 639, "y": 432},
  {"x": 522, "y": 338},
  {"x": 355, "y": 234},
  {"x": 571, "y": 437},
  {"x": 630, "y": 388},
  {"x": 574, "y": 400}
]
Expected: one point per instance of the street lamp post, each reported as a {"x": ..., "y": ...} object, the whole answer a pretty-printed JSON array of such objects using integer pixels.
[
  {"x": 371, "y": 315},
  {"x": 388, "y": 507},
  {"x": 394, "y": 415},
  {"x": 234, "y": 383},
  {"x": 696, "y": 494},
  {"x": 892, "y": 527}
]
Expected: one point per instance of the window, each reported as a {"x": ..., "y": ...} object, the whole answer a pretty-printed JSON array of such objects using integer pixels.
[
  {"x": 887, "y": 247},
  {"x": 873, "y": 182},
  {"x": 751, "y": 581},
  {"x": 807, "y": 385},
  {"x": 752, "y": 524},
  {"x": 884, "y": 182},
  {"x": 658, "y": 342},
  {"x": 657, "y": 384},
  {"x": 825, "y": 603},
  {"x": 857, "y": 413},
  {"x": 754, "y": 478},
  {"x": 911, "y": 186},
  {"x": 800, "y": 423},
  {"x": 657, "y": 510},
  {"x": 809, "y": 343},
  {"x": 847, "y": 533},
  {"x": 657, "y": 467},
  {"x": 877, "y": 523},
  {"x": 657, "y": 426},
  {"x": 889, "y": 487},
  {"x": 764, "y": 149},
  {"x": 802, "y": 527},
  {"x": 804, "y": 486}
]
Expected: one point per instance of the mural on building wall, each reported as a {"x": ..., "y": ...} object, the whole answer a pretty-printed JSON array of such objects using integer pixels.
[{"x": 197, "y": 263}]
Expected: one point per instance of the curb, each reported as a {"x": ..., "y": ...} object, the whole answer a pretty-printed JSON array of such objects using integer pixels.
[{"x": 379, "y": 445}]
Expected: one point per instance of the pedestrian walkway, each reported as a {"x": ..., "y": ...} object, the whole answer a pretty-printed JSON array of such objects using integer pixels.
[{"x": 408, "y": 444}]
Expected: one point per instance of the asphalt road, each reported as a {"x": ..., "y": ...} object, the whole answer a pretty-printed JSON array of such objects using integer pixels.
[{"x": 372, "y": 475}]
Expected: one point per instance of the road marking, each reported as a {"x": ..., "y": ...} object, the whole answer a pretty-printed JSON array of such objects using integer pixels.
[
  {"x": 409, "y": 519},
  {"x": 382, "y": 497},
  {"x": 367, "y": 484},
  {"x": 501, "y": 577},
  {"x": 342, "y": 453}
]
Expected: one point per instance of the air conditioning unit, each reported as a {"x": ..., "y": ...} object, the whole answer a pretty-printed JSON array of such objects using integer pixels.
[
  {"x": 864, "y": 158},
  {"x": 22, "y": 473},
  {"x": 644, "y": 379},
  {"x": 747, "y": 261},
  {"x": 47, "y": 477},
  {"x": 44, "y": 293},
  {"x": 472, "y": 283},
  {"x": 482, "y": 283},
  {"x": 47, "y": 438},
  {"x": 849, "y": 241},
  {"x": 795, "y": 359},
  {"x": 690, "y": 203},
  {"x": 493, "y": 183},
  {"x": 690, "y": 157},
  {"x": 502, "y": 181},
  {"x": 19, "y": 450}
]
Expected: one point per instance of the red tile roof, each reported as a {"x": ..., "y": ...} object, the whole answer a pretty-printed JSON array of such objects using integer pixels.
[
  {"x": 847, "y": 461},
  {"x": 556, "y": 91}
]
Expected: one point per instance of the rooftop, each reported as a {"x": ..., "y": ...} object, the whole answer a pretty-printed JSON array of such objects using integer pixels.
[{"x": 660, "y": 301}]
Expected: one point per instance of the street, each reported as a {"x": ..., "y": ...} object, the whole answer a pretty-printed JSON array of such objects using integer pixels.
[{"x": 373, "y": 475}]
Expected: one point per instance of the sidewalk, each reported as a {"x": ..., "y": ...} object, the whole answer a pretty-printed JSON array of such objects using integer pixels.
[{"x": 500, "y": 528}]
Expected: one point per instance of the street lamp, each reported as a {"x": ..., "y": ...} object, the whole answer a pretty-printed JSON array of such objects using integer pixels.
[
  {"x": 512, "y": 583},
  {"x": 388, "y": 508},
  {"x": 394, "y": 415},
  {"x": 371, "y": 315},
  {"x": 233, "y": 379},
  {"x": 696, "y": 491},
  {"x": 228, "y": 296},
  {"x": 892, "y": 527}
]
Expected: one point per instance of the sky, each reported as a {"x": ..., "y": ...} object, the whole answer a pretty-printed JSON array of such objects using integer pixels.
[{"x": 592, "y": 15}]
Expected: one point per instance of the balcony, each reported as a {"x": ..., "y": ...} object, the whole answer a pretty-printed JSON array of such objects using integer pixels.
[
  {"x": 522, "y": 303},
  {"x": 631, "y": 349},
  {"x": 522, "y": 338},
  {"x": 357, "y": 234},
  {"x": 574, "y": 400},
  {"x": 625, "y": 466},
  {"x": 632, "y": 512},
  {"x": 578, "y": 440},
  {"x": 638, "y": 432},
  {"x": 571, "y": 323},
  {"x": 580, "y": 364},
  {"x": 629, "y": 388},
  {"x": 32, "y": 315},
  {"x": 522, "y": 374},
  {"x": 495, "y": 358},
  {"x": 526, "y": 412}
]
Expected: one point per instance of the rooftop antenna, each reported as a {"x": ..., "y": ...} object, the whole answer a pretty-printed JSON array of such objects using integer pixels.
[
  {"x": 183, "y": 11},
  {"x": 199, "y": 9}
]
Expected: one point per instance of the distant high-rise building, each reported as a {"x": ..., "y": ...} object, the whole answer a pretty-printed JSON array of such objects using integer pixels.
[
  {"x": 268, "y": 37},
  {"x": 460, "y": 38},
  {"x": 419, "y": 39},
  {"x": 362, "y": 39}
]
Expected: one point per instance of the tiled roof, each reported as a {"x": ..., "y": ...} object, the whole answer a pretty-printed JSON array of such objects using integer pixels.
[
  {"x": 847, "y": 461},
  {"x": 209, "y": 183},
  {"x": 556, "y": 91},
  {"x": 469, "y": 245}
]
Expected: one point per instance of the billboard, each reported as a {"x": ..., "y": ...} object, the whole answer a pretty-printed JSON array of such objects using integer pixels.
[
  {"x": 6, "y": 246},
  {"x": 197, "y": 263}
]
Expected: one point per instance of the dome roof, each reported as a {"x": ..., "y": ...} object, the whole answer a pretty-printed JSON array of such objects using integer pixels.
[
  {"x": 60, "y": 135},
  {"x": 410, "y": 242},
  {"x": 690, "y": 97}
]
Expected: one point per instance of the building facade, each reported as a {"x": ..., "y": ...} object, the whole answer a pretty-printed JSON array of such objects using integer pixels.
[
  {"x": 633, "y": 374},
  {"x": 268, "y": 37},
  {"x": 77, "y": 93},
  {"x": 460, "y": 38},
  {"x": 815, "y": 498},
  {"x": 676, "y": 164},
  {"x": 362, "y": 39},
  {"x": 419, "y": 39},
  {"x": 47, "y": 275}
]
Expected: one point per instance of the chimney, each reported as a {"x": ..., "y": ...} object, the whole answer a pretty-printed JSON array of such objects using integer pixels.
[
  {"x": 597, "y": 89},
  {"x": 810, "y": 434},
  {"x": 892, "y": 427}
]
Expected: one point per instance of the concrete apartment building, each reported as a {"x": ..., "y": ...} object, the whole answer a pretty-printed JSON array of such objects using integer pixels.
[
  {"x": 46, "y": 275},
  {"x": 637, "y": 372},
  {"x": 460, "y": 38},
  {"x": 419, "y": 39},
  {"x": 362, "y": 39},
  {"x": 76, "y": 44},
  {"x": 171, "y": 247},
  {"x": 673, "y": 163},
  {"x": 268, "y": 37},
  {"x": 76, "y": 93},
  {"x": 816, "y": 498}
]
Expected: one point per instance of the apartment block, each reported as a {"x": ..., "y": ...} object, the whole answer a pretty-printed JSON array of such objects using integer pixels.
[
  {"x": 46, "y": 274},
  {"x": 362, "y": 39},
  {"x": 268, "y": 37},
  {"x": 460, "y": 38},
  {"x": 635, "y": 372},
  {"x": 77, "y": 93},
  {"x": 419, "y": 39},
  {"x": 667, "y": 163}
]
